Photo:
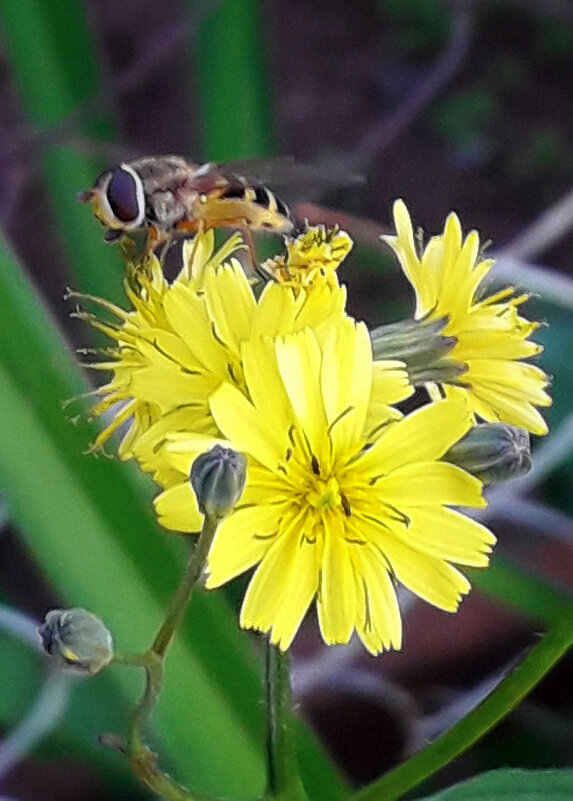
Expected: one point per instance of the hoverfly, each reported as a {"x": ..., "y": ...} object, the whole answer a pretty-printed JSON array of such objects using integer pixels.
[{"x": 168, "y": 195}]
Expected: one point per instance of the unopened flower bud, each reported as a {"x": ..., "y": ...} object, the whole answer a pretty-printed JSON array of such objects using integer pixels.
[
  {"x": 77, "y": 637},
  {"x": 218, "y": 479},
  {"x": 493, "y": 452},
  {"x": 422, "y": 346}
]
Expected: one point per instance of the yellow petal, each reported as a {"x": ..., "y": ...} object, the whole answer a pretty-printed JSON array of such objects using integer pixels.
[
  {"x": 246, "y": 429},
  {"x": 378, "y": 620},
  {"x": 429, "y": 483},
  {"x": 423, "y": 435},
  {"x": 301, "y": 586},
  {"x": 265, "y": 384},
  {"x": 150, "y": 446},
  {"x": 323, "y": 305},
  {"x": 405, "y": 248},
  {"x": 299, "y": 360},
  {"x": 434, "y": 580},
  {"x": 337, "y": 597},
  {"x": 231, "y": 303},
  {"x": 475, "y": 343},
  {"x": 276, "y": 311},
  {"x": 390, "y": 382},
  {"x": 511, "y": 379},
  {"x": 493, "y": 406},
  {"x": 267, "y": 598},
  {"x": 446, "y": 534},
  {"x": 196, "y": 255},
  {"x": 187, "y": 315},
  {"x": 241, "y": 542},
  {"x": 176, "y": 509},
  {"x": 346, "y": 376}
]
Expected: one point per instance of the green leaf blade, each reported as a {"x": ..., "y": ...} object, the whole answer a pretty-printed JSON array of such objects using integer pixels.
[{"x": 506, "y": 785}]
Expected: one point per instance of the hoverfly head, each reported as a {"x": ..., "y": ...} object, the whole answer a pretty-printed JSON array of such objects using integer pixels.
[{"x": 117, "y": 198}]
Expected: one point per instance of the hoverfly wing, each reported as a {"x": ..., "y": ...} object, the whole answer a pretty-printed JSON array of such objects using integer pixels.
[
  {"x": 264, "y": 169},
  {"x": 209, "y": 177},
  {"x": 296, "y": 176}
]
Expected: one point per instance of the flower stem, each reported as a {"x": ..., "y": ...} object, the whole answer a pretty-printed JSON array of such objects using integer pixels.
[
  {"x": 185, "y": 589},
  {"x": 283, "y": 780},
  {"x": 143, "y": 760},
  {"x": 464, "y": 734}
]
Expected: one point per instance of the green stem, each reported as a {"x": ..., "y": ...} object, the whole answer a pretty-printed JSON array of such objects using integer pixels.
[
  {"x": 283, "y": 780},
  {"x": 470, "y": 729},
  {"x": 143, "y": 760},
  {"x": 185, "y": 589}
]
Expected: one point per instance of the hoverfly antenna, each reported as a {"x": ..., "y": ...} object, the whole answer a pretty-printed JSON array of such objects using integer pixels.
[{"x": 86, "y": 196}]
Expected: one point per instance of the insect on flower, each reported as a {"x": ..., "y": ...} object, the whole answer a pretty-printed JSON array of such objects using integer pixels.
[{"x": 168, "y": 195}]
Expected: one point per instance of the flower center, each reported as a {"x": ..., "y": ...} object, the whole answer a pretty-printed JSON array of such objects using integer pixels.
[{"x": 324, "y": 494}]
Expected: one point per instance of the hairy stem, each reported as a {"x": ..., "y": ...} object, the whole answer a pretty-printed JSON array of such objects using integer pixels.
[
  {"x": 143, "y": 760},
  {"x": 283, "y": 780}
]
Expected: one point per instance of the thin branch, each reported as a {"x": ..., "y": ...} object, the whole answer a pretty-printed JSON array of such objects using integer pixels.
[
  {"x": 386, "y": 131},
  {"x": 547, "y": 283},
  {"x": 544, "y": 232},
  {"x": 436, "y": 724},
  {"x": 20, "y": 626},
  {"x": 543, "y": 519},
  {"x": 44, "y": 714}
]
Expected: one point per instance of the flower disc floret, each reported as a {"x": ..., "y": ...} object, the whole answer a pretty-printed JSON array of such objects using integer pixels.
[
  {"x": 312, "y": 258},
  {"x": 344, "y": 497}
]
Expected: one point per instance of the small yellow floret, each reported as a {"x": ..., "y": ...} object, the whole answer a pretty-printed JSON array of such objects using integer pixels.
[{"x": 312, "y": 258}]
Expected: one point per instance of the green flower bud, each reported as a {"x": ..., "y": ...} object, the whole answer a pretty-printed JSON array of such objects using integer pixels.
[
  {"x": 422, "y": 347},
  {"x": 78, "y": 638},
  {"x": 218, "y": 479},
  {"x": 493, "y": 452}
]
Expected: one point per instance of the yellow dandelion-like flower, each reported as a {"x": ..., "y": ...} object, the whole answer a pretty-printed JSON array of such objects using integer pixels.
[
  {"x": 492, "y": 338},
  {"x": 343, "y": 498},
  {"x": 312, "y": 258},
  {"x": 180, "y": 341}
]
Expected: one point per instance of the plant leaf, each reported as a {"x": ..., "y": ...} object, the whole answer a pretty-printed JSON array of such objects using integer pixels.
[{"x": 506, "y": 785}]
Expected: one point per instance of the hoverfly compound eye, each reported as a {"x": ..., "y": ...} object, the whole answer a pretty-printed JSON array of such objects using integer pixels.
[{"x": 125, "y": 196}]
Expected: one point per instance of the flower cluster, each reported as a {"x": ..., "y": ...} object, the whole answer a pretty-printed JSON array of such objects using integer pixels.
[{"x": 345, "y": 495}]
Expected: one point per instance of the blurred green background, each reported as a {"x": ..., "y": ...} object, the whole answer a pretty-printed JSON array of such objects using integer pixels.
[{"x": 458, "y": 105}]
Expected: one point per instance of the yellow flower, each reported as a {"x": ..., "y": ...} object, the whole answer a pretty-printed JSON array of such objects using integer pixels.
[
  {"x": 312, "y": 258},
  {"x": 343, "y": 498},
  {"x": 180, "y": 341},
  {"x": 492, "y": 338}
]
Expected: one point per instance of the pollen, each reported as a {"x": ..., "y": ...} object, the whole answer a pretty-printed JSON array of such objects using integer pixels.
[{"x": 325, "y": 494}]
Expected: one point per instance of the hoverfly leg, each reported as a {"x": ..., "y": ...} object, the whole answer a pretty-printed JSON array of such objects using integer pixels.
[
  {"x": 162, "y": 254},
  {"x": 265, "y": 274},
  {"x": 249, "y": 242},
  {"x": 193, "y": 228},
  {"x": 153, "y": 239}
]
